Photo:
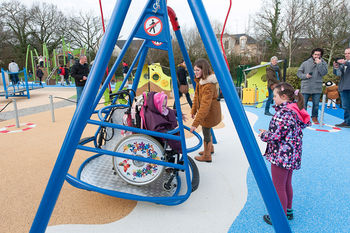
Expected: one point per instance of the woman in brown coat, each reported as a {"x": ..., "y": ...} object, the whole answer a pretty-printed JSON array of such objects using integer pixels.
[{"x": 206, "y": 110}]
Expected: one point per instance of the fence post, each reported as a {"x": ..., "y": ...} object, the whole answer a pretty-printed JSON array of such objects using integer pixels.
[
  {"x": 322, "y": 109},
  {"x": 16, "y": 112},
  {"x": 52, "y": 108}
]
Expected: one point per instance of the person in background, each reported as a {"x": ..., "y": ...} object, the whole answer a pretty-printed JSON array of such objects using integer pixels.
[
  {"x": 206, "y": 109},
  {"x": 284, "y": 142},
  {"x": 39, "y": 74},
  {"x": 66, "y": 74},
  {"x": 62, "y": 73},
  {"x": 80, "y": 72},
  {"x": 13, "y": 68},
  {"x": 341, "y": 68},
  {"x": 181, "y": 74},
  {"x": 273, "y": 75},
  {"x": 41, "y": 61},
  {"x": 311, "y": 72},
  {"x": 125, "y": 71}
]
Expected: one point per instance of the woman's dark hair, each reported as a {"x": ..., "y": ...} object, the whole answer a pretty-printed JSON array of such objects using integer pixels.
[
  {"x": 292, "y": 95},
  {"x": 317, "y": 50},
  {"x": 204, "y": 65}
]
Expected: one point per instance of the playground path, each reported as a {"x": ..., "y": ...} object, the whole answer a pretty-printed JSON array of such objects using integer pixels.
[{"x": 39, "y": 102}]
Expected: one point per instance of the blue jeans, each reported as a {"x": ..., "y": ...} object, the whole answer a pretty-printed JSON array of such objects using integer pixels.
[
  {"x": 188, "y": 98},
  {"x": 269, "y": 100},
  {"x": 14, "y": 78},
  {"x": 345, "y": 102},
  {"x": 79, "y": 91},
  {"x": 315, "y": 102}
]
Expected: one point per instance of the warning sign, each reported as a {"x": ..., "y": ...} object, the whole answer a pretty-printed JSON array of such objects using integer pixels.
[{"x": 153, "y": 26}]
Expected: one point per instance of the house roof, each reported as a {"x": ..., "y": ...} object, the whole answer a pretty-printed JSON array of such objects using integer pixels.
[{"x": 250, "y": 40}]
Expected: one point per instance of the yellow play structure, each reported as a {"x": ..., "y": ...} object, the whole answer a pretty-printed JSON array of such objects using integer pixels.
[
  {"x": 153, "y": 79},
  {"x": 254, "y": 89}
]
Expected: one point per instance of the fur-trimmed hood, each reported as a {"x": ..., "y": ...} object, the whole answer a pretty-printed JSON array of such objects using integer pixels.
[{"x": 211, "y": 79}]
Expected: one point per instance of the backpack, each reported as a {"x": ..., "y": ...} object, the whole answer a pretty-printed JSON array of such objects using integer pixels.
[{"x": 59, "y": 71}]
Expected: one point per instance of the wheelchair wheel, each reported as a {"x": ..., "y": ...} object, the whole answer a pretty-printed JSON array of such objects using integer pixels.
[{"x": 137, "y": 172}]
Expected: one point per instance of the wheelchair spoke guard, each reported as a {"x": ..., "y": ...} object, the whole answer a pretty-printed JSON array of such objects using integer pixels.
[{"x": 134, "y": 171}]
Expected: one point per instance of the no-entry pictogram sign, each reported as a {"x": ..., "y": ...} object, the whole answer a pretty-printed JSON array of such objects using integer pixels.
[{"x": 153, "y": 26}]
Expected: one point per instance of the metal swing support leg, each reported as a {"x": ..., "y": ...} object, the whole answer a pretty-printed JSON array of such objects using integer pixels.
[{"x": 250, "y": 146}]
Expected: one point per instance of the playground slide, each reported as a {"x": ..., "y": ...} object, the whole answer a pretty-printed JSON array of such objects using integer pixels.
[{"x": 256, "y": 89}]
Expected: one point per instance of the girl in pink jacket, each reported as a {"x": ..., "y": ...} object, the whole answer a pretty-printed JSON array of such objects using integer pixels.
[{"x": 284, "y": 142}]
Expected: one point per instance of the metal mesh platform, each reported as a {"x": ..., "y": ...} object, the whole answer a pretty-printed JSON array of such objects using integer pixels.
[{"x": 99, "y": 172}]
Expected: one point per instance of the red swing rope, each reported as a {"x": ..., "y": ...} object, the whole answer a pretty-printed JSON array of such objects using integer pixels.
[{"x": 222, "y": 33}]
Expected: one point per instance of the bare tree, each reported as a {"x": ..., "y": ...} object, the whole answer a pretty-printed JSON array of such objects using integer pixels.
[
  {"x": 86, "y": 32},
  {"x": 296, "y": 20},
  {"x": 47, "y": 26},
  {"x": 268, "y": 23},
  {"x": 193, "y": 43},
  {"x": 16, "y": 21},
  {"x": 330, "y": 25}
]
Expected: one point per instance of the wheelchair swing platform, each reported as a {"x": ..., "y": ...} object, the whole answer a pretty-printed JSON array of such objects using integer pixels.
[{"x": 99, "y": 172}]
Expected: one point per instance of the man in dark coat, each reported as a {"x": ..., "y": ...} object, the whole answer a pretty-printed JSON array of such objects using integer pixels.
[{"x": 80, "y": 72}]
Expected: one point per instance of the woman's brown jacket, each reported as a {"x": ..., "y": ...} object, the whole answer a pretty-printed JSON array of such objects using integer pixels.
[{"x": 206, "y": 107}]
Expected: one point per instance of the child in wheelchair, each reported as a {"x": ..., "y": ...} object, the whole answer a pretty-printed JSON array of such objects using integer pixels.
[{"x": 150, "y": 112}]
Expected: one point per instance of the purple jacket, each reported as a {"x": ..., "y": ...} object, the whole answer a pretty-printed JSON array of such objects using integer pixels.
[
  {"x": 155, "y": 121},
  {"x": 284, "y": 136}
]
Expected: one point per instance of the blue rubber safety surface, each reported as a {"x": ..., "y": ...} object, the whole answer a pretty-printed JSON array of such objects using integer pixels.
[{"x": 321, "y": 187}]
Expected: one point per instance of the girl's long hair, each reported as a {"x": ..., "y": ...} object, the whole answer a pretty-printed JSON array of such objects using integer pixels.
[
  {"x": 284, "y": 88},
  {"x": 204, "y": 65}
]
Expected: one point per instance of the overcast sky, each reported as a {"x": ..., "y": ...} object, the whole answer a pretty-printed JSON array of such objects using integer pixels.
[{"x": 216, "y": 10}]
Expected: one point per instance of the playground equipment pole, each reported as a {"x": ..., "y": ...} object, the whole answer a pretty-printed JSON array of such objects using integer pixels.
[
  {"x": 284, "y": 70},
  {"x": 27, "y": 54},
  {"x": 322, "y": 109},
  {"x": 82, "y": 114},
  {"x": 250, "y": 146},
  {"x": 54, "y": 58},
  {"x": 33, "y": 67},
  {"x": 64, "y": 50},
  {"x": 47, "y": 63},
  {"x": 26, "y": 82},
  {"x": 16, "y": 112},
  {"x": 52, "y": 108}
]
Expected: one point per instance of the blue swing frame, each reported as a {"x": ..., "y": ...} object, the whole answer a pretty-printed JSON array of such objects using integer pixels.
[{"x": 84, "y": 108}]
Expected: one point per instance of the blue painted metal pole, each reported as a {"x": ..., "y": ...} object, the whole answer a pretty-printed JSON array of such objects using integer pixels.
[
  {"x": 26, "y": 82},
  {"x": 239, "y": 118},
  {"x": 119, "y": 59},
  {"x": 4, "y": 82},
  {"x": 177, "y": 104},
  {"x": 139, "y": 64},
  {"x": 185, "y": 55},
  {"x": 138, "y": 73},
  {"x": 80, "y": 117}
]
